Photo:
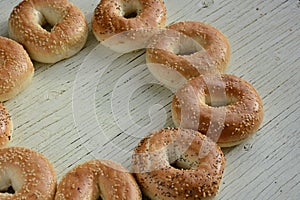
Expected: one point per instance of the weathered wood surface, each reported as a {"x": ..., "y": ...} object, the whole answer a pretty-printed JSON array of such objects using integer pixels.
[{"x": 71, "y": 118}]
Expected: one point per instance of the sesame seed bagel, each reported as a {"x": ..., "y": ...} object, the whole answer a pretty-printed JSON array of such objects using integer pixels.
[
  {"x": 6, "y": 126},
  {"x": 29, "y": 173},
  {"x": 49, "y": 30},
  {"x": 116, "y": 16},
  {"x": 16, "y": 69},
  {"x": 226, "y": 108},
  {"x": 185, "y": 50},
  {"x": 177, "y": 164},
  {"x": 93, "y": 179}
]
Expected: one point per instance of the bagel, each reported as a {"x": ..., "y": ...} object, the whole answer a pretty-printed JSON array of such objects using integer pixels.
[
  {"x": 176, "y": 164},
  {"x": 49, "y": 30},
  {"x": 112, "y": 17},
  {"x": 6, "y": 126},
  {"x": 27, "y": 173},
  {"x": 185, "y": 50},
  {"x": 225, "y": 107},
  {"x": 16, "y": 69},
  {"x": 94, "y": 179}
]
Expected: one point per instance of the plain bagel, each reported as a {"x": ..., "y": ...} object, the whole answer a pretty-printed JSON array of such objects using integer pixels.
[
  {"x": 49, "y": 30},
  {"x": 226, "y": 108}
]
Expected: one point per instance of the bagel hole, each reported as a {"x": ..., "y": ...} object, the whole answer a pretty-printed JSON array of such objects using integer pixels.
[
  {"x": 131, "y": 9},
  {"x": 99, "y": 195},
  {"x": 47, "y": 26},
  {"x": 47, "y": 18},
  {"x": 131, "y": 14},
  {"x": 9, "y": 190},
  {"x": 219, "y": 102},
  {"x": 186, "y": 51},
  {"x": 188, "y": 46},
  {"x": 180, "y": 164}
]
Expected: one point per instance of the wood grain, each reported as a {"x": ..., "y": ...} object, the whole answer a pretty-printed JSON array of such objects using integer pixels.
[{"x": 71, "y": 119}]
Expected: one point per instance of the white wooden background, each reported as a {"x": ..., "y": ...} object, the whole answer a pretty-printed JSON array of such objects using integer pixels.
[{"x": 71, "y": 119}]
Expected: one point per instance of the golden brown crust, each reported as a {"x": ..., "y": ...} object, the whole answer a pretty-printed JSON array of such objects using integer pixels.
[
  {"x": 109, "y": 19},
  {"x": 6, "y": 126},
  {"x": 28, "y": 172},
  {"x": 97, "y": 178},
  {"x": 228, "y": 124},
  {"x": 199, "y": 165},
  {"x": 211, "y": 54},
  {"x": 67, "y": 36},
  {"x": 16, "y": 69}
]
